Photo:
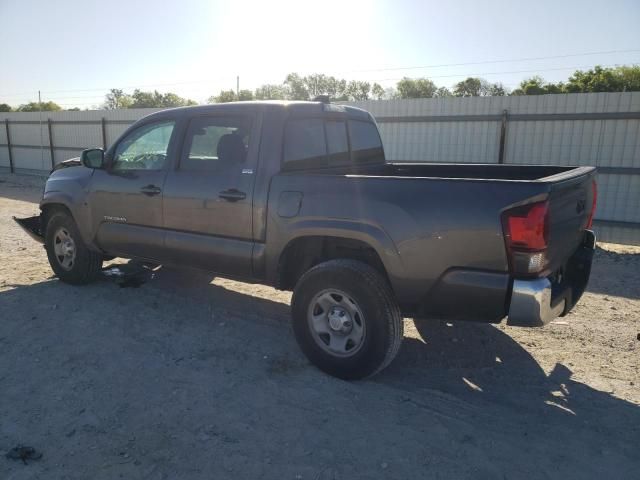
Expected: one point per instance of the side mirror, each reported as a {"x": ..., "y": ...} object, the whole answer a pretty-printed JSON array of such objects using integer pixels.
[{"x": 92, "y": 158}]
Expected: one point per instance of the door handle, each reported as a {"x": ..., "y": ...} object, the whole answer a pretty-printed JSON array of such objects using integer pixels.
[
  {"x": 151, "y": 190},
  {"x": 232, "y": 195}
]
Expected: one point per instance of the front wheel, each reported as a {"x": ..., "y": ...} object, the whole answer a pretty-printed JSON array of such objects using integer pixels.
[
  {"x": 346, "y": 319},
  {"x": 69, "y": 257}
]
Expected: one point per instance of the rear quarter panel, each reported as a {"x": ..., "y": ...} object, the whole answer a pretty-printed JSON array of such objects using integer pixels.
[{"x": 420, "y": 227}]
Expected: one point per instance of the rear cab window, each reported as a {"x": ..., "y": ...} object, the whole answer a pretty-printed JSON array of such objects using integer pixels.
[
  {"x": 304, "y": 143},
  {"x": 366, "y": 146},
  {"x": 330, "y": 142}
]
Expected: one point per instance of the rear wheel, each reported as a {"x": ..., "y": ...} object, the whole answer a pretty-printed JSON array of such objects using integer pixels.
[
  {"x": 346, "y": 320},
  {"x": 69, "y": 257}
]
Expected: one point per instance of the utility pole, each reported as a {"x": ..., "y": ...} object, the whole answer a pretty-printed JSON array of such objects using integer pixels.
[{"x": 238, "y": 87}]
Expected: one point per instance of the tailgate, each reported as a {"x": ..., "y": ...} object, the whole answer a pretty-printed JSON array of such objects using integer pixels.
[{"x": 571, "y": 201}]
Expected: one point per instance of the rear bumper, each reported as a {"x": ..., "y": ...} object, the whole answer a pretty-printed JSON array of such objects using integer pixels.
[
  {"x": 32, "y": 226},
  {"x": 536, "y": 302}
]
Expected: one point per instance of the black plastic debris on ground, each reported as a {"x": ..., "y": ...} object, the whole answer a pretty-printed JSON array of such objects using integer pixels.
[
  {"x": 24, "y": 453},
  {"x": 132, "y": 274}
]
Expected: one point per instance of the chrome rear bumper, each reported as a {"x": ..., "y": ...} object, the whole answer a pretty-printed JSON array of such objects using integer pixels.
[
  {"x": 531, "y": 303},
  {"x": 536, "y": 302}
]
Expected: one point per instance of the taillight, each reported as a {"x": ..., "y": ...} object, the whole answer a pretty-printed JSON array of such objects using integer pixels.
[
  {"x": 526, "y": 232},
  {"x": 593, "y": 205}
]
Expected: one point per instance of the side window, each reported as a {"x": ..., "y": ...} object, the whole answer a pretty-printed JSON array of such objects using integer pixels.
[
  {"x": 145, "y": 148},
  {"x": 366, "y": 145},
  {"x": 304, "y": 143},
  {"x": 337, "y": 142},
  {"x": 212, "y": 143}
]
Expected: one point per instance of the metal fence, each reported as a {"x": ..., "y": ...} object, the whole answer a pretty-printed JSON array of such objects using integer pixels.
[
  {"x": 601, "y": 129},
  {"x": 33, "y": 142}
]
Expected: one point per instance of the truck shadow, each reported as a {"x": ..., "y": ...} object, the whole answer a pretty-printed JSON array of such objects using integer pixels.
[{"x": 477, "y": 392}]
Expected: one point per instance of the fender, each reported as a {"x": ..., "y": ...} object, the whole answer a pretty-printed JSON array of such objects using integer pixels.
[
  {"x": 78, "y": 209},
  {"x": 372, "y": 235}
]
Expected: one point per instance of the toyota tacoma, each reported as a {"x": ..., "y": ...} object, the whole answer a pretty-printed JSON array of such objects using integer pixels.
[{"x": 298, "y": 195}]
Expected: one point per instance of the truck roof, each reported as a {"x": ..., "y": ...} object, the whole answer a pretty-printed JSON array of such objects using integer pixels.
[{"x": 298, "y": 108}]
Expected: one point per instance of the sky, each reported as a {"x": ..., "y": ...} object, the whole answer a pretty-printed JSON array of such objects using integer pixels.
[{"x": 73, "y": 51}]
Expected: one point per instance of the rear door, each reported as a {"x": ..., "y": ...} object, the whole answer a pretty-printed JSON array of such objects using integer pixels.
[
  {"x": 126, "y": 198},
  {"x": 207, "y": 198}
]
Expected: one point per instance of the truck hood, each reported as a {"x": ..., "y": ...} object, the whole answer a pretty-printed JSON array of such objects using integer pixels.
[
  {"x": 67, "y": 176},
  {"x": 72, "y": 162}
]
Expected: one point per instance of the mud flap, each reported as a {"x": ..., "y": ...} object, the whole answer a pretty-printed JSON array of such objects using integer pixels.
[{"x": 33, "y": 227}]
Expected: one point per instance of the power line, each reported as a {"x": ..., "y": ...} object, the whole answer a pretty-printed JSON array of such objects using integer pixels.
[
  {"x": 501, "y": 72},
  {"x": 100, "y": 98},
  {"x": 523, "y": 59}
]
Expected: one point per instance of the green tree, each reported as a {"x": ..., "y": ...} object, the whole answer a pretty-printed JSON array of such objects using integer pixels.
[
  {"x": 630, "y": 77},
  {"x": 537, "y": 86},
  {"x": 140, "y": 99},
  {"x": 496, "y": 90},
  {"x": 297, "y": 87},
  {"x": 442, "y": 92},
  {"x": 5, "y": 107},
  {"x": 478, "y": 87},
  {"x": 599, "y": 79},
  {"x": 270, "y": 92},
  {"x": 224, "y": 96},
  {"x": 416, "y": 88},
  {"x": 155, "y": 99},
  {"x": 470, "y": 87},
  {"x": 74, "y": 109},
  {"x": 116, "y": 99},
  {"x": 171, "y": 100},
  {"x": 377, "y": 91},
  {"x": 531, "y": 86},
  {"x": 358, "y": 90},
  {"x": 320, "y": 84},
  {"x": 37, "y": 106},
  {"x": 244, "y": 95}
]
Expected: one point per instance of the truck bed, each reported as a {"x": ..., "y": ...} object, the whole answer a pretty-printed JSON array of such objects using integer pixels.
[
  {"x": 443, "y": 222},
  {"x": 472, "y": 171}
]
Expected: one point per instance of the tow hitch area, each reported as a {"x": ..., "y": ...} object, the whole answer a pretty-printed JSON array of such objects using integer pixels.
[{"x": 32, "y": 226}]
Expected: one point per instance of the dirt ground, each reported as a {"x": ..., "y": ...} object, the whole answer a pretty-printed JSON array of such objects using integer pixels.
[{"x": 189, "y": 377}]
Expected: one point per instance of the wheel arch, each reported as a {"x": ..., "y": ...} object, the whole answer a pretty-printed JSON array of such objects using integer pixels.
[
  {"x": 60, "y": 202},
  {"x": 305, "y": 251}
]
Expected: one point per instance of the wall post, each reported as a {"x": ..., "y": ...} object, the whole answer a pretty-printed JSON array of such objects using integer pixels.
[
  {"x": 51, "y": 148},
  {"x": 6, "y": 124},
  {"x": 103, "y": 122},
  {"x": 503, "y": 136}
]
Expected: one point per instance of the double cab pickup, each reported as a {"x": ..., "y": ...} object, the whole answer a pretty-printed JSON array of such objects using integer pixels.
[{"x": 298, "y": 195}]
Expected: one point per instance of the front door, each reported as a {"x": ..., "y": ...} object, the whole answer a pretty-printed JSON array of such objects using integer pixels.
[
  {"x": 126, "y": 197},
  {"x": 207, "y": 198}
]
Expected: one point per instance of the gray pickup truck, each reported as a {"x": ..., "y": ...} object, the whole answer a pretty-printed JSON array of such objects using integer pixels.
[{"x": 298, "y": 195}]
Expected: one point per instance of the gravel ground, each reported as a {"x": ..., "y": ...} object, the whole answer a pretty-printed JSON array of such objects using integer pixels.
[{"x": 193, "y": 377}]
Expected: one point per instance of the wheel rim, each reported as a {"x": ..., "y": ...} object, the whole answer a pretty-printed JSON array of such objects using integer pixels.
[
  {"x": 64, "y": 248},
  {"x": 336, "y": 323}
]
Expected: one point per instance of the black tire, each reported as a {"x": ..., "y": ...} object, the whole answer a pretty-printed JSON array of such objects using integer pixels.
[
  {"x": 86, "y": 264},
  {"x": 374, "y": 298}
]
